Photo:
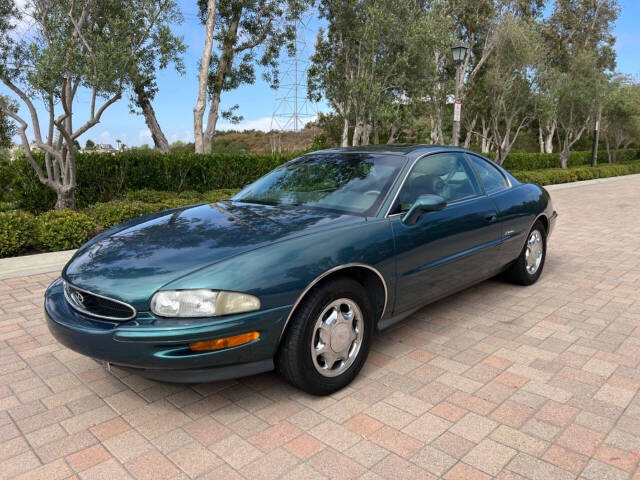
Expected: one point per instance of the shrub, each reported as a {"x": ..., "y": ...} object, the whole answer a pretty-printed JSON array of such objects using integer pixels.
[
  {"x": 113, "y": 213},
  {"x": 102, "y": 178},
  {"x": 6, "y": 206},
  {"x": 518, "y": 161},
  {"x": 149, "y": 196},
  {"x": 16, "y": 232},
  {"x": 221, "y": 194},
  {"x": 63, "y": 229},
  {"x": 558, "y": 175}
]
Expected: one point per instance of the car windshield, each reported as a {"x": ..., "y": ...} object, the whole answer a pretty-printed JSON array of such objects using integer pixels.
[{"x": 346, "y": 182}]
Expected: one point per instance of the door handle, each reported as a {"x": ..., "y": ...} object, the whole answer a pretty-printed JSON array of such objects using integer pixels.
[{"x": 491, "y": 217}]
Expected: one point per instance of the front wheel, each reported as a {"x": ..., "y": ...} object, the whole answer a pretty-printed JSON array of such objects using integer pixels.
[
  {"x": 528, "y": 267},
  {"x": 328, "y": 339}
]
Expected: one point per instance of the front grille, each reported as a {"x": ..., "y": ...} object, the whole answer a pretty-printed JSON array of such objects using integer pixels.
[{"x": 97, "y": 305}]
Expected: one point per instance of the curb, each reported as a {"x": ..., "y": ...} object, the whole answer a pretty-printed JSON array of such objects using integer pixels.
[{"x": 13, "y": 267}]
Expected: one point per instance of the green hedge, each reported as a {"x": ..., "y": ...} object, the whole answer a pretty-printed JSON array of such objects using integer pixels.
[
  {"x": 537, "y": 161},
  {"x": 16, "y": 232},
  {"x": 63, "y": 229},
  {"x": 102, "y": 178},
  {"x": 551, "y": 176}
]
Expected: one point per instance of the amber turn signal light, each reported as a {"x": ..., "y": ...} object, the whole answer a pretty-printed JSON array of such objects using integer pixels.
[{"x": 221, "y": 343}]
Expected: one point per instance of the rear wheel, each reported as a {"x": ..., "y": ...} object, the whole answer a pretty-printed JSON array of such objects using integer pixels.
[
  {"x": 528, "y": 267},
  {"x": 328, "y": 338}
]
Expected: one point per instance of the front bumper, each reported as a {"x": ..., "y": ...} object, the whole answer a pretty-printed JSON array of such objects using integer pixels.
[{"x": 159, "y": 349}]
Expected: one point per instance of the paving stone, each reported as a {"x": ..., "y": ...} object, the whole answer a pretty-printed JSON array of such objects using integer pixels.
[{"x": 496, "y": 381}]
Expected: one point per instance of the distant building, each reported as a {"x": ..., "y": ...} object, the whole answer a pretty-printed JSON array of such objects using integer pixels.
[{"x": 104, "y": 148}]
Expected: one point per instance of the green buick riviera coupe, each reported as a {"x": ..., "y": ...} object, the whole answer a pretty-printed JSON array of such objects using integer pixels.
[{"x": 299, "y": 269}]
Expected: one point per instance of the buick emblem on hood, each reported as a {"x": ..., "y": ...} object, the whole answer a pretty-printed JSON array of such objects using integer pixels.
[{"x": 78, "y": 298}]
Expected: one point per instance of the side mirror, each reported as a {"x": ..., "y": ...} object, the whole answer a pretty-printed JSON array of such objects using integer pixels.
[{"x": 423, "y": 204}]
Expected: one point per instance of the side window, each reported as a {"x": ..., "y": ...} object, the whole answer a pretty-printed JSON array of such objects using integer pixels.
[
  {"x": 490, "y": 177},
  {"x": 444, "y": 174}
]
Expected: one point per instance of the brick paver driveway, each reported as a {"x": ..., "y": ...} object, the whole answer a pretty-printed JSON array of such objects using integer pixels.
[{"x": 498, "y": 381}]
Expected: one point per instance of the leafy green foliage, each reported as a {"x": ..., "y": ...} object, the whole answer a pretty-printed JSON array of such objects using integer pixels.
[
  {"x": 537, "y": 161},
  {"x": 565, "y": 175},
  {"x": 63, "y": 229},
  {"x": 102, "y": 178},
  {"x": 16, "y": 232},
  {"x": 116, "y": 212}
]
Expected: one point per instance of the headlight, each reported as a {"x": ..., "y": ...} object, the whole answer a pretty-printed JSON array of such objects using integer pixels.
[{"x": 201, "y": 303}]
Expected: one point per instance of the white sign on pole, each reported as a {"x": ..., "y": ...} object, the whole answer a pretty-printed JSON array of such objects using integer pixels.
[{"x": 457, "y": 110}]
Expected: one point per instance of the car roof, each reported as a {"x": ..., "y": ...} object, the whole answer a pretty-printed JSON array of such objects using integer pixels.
[{"x": 405, "y": 149}]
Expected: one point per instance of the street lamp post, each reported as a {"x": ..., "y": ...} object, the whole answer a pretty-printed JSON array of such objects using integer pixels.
[{"x": 459, "y": 53}]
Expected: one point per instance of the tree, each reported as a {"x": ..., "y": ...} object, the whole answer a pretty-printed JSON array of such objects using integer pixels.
[
  {"x": 373, "y": 64},
  {"x": 621, "y": 116},
  {"x": 75, "y": 45},
  {"x": 89, "y": 144},
  {"x": 248, "y": 33},
  {"x": 154, "y": 50},
  {"x": 7, "y": 126},
  {"x": 507, "y": 83},
  {"x": 579, "y": 54}
]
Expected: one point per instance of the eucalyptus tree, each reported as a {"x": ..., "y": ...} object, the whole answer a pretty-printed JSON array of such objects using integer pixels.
[
  {"x": 508, "y": 82},
  {"x": 154, "y": 48},
  {"x": 372, "y": 65},
  {"x": 74, "y": 45},
  {"x": 621, "y": 116},
  {"x": 246, "y": 34},
  {"x": 579, "y": 53},
  {"x": 477, "y": 24}
]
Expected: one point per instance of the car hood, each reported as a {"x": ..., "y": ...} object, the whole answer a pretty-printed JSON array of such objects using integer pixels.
[{"x": 131, "y": 262}]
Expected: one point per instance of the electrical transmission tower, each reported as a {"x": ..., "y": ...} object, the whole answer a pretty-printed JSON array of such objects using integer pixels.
[{"x": 292, "y": 109}]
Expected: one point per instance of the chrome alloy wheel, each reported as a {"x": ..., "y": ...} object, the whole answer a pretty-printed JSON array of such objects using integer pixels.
[
  {"x": 337, "y": 337},
  {"x": 533, "y": 252}
]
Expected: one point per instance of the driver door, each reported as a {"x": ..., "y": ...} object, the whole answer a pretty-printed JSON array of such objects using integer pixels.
[{"x": 446, "y": 250}]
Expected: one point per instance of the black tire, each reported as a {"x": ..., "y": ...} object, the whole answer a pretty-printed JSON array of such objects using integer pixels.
[
  {"x": 518, "y": 273},
  {"x": 294, "y": 360}
]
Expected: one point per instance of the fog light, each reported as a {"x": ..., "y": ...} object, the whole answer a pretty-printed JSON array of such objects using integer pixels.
[{"x": 227, "y": 342}]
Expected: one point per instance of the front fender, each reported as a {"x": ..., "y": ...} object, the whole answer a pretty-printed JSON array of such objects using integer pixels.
[{"x": 279, "y": 273}]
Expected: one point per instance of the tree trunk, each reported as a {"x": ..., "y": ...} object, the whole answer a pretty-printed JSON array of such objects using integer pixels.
[
  {"x": 66, "y": 198},
  {"x": 345, "y": 132},
  {"x": 358, "y": 133},
  {"x": 212, "y": 121},
  {"x": 203, "y": 77},
  {"x": 551, "y": 130},
  {"x": 541, "y": 139},
  {"x": 564, "y": 155},
  {"x": 469, "y": 135},
  {"x": 159, "y": 140},
  {"x": 393, "y": 134},
  {"x": 366, "y": 133},
  {"x": 486, "y": 141},
  {"x": 222, "y": 70}
]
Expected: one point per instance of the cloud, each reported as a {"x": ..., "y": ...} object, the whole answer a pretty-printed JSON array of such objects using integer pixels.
[
  {"x": 105, "y": 137},
  {"x": 144, "y": 134},
  {"x": 265, "y": 124},
  {"x": 262, "y": 123}
]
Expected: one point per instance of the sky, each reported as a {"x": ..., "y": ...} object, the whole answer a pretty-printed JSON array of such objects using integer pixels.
[{"x": 177, "y": 93}]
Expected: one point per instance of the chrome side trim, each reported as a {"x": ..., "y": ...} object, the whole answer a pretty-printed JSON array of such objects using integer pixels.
[
  {"x": 75, "y": 306},
  {"x": 329, "y": 272}
]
